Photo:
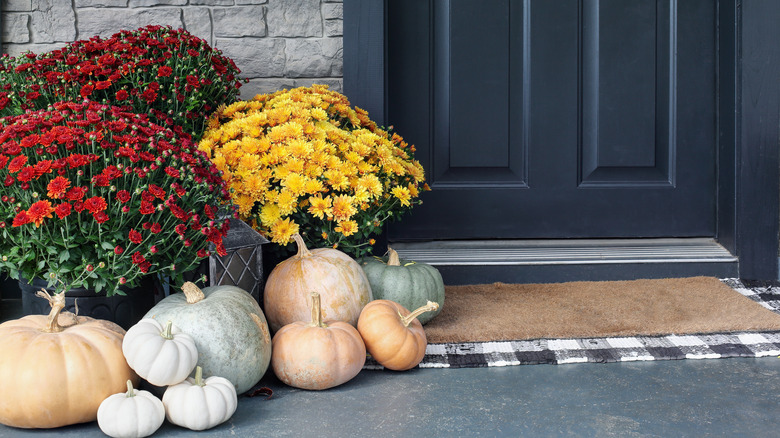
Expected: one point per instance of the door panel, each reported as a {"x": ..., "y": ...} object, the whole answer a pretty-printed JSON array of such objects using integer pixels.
[{"x": 573, "y": 118}]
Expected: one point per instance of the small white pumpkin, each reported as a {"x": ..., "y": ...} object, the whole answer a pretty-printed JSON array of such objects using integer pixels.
[
  {"x": 199, "y": 404},
  {"x": 162, "y": 356},
  {"x": 132, "y": 414}
]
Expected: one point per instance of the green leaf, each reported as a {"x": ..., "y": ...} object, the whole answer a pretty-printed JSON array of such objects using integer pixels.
[{"x": 64, "y": 256}]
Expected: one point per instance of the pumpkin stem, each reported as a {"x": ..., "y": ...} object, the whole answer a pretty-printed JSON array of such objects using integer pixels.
[
  {"x": 130, "y": 390},
  {"x": 392, "y": 259},
  {"x": 429, "y": 307},
  {"x": 167, "y": 332},
  {"x": 199, "y": 376},
  {"x": 192, "y": 292},
  {"x": 316, "y": 311},
  {"x": 302, "y": 250},
  {"x": 57, "y": 303}
]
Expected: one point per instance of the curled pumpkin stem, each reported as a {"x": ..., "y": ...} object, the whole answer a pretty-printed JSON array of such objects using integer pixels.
[
  {"x": 303, "y": 251},
  {"x": 430, "y": 306},
  {"x": 192, "y": 292},
  {"x": 392, "y": 259},
  {"x": 57, "y": 303}
]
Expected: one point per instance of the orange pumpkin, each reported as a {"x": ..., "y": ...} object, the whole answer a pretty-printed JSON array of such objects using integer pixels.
[
  {"x": 393, "y": 335},
  {"x": 55, "y": 370},
  {"x": 317, "y": 355},
  {"x": 336, "y": 276}
]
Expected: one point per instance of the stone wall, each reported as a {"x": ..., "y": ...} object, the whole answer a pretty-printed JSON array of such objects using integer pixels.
[{"x": 276, "y": 43}]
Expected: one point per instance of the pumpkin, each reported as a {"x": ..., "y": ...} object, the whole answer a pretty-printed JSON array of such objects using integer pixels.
[
  {"x": 338, "y": 278},
  {"x": 408, "y": 283},
  {"x": 162, "y": 356},
  {"x": 393, "y": 335},
  {"x": 56, "y": 369},
  {"x": 131, "y": 414},
  {"x": 200, "y": 404},
  {"x": 228, "y": 327},
  {"x": 317, "y": 355}
]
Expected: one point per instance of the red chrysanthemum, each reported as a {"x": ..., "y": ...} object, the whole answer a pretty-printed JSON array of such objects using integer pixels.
[
  {"x": 101, "y": 217},
  {"x": 95, "y": 204},
  {"x": 155, "y": 228},
  {"x": 157, "y": 191},
  {"x": 57, "y": 187},
  {"x": 146, "y": 208},
  {"x": 86, "y": 90},
  {"x": 63, "y": 210},
  {"x": 180, "y": 229},
  {"x": 76, "y": 193},
  {"x": 17, "y": 163},
  {"x": 122, "y": 95},
  {"x": 39, "y": 211},
  {"x": 123, "y": 196},
  {"x": 138, "y": 257},
  {"x": 135, "y": 237},
  {"x": 22, "y": 218}
]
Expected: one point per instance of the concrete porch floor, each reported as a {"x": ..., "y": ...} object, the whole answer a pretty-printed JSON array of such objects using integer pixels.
[{"x": 709, "y": 397}]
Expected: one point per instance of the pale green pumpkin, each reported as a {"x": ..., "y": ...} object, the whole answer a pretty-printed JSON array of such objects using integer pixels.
[
  {"x": 408, "y": 283},
  {"x": 229, "y": 329}
]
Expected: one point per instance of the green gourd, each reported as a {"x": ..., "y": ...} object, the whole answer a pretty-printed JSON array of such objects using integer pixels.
[
  {"x": 229, "y": 328},
  {"x": 408, "y": 283}
]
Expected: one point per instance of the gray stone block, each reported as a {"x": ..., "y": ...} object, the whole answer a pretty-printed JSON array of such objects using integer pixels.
[
  {"x": 106, "y": 22},
  {"x": 147, "y": 3},
  {"x": 332, "y": 10},
  {"x": 18, "y": 49},
  {"x": 313, "y": 58},
  {"x": 101, "y": 4},
  {"x": 197, "y": 21},
  {"x": 52, "y": 21},
  {"x": 239, "y": 21},
  {"x": 334, "y": 28},
  {"x": 256, "y": 57},
  {"x": 15, "y": 28},
  {"x": 17, "y": 6},
  {"x": 294, "y": 18},
  {"x": 251, "y": 2},
  {"x": 265, "y": 86},
  {"x": 211, "y": 2}
]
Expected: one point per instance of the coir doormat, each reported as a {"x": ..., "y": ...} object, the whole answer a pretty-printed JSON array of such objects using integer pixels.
[{"x": 642, "y": 320}]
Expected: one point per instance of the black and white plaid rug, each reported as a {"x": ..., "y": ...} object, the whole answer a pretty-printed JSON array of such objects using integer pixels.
[{"x": 618, "y": 349}]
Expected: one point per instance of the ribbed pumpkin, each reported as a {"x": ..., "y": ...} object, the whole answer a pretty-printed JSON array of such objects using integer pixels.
[
  {"x": 342, "y": 284},
  {"x": 229, "y": 329},
  {"x": 317, "y": 354},
  {"x": 408, "y": 283},
  {"x": 55, "y": 370},
  {"x": 393, "y": 335}
]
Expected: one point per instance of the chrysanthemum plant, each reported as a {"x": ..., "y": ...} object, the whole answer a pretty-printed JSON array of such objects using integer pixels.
[
  {"x": 94, "y": 196},
  {"x": 304, "y": 161},
  {"x": 171, "y": 75}
]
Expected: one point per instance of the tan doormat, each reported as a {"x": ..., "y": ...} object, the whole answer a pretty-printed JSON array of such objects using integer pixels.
[{"x": 496, "y": 312}]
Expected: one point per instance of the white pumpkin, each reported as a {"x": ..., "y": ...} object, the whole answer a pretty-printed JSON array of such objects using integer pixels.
[
  {"x": 132, "y": 414},
  {"x": 229, "y": 329},
  {"x": 199, "y": 404},
  {"x": 162, "y": 356}
]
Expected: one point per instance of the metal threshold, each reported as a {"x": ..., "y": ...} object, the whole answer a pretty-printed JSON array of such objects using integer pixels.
[{"x": 565, "y": 252}]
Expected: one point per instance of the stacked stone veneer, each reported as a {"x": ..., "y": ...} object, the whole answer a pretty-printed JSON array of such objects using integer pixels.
[{"x": 276, "y": 43}]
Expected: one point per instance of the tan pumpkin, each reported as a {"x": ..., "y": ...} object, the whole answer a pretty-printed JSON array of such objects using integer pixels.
[
  {"x": 317, "y": 354},
  {"x": 393, "y": 335},
  {"x": 55, "y": 370},
  {"x": 338, "y": 278}
]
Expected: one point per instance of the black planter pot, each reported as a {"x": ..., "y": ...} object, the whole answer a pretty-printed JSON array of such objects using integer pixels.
[{"x": 125, "y": 310}]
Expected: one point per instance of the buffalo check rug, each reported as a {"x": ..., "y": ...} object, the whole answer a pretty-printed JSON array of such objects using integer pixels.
[{"x": 615, "y": 349}]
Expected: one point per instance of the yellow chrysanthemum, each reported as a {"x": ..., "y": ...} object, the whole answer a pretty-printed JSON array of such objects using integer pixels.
[
  {"x": 347, "y": 228},
  {"x": 295, "y": 183},
  {"x": 319, "y": 207},
  {"x": 244, "y": 203},
  {"x": 343, "y": 207},
  {"x": 403, "y": 195},
  {"x": 269, "y": 214},
  {"x": 283, "y": 230},
  {"x": 286, "y": 201}
]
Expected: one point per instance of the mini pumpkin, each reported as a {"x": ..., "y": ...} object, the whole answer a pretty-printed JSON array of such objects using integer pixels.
[
  {"x": 132, "y": 414},
  {"x": 162, "y": 356},
  {"x": 228, "y": 327},
  {"x": 338, "y": 278},
  {"x": 56, "y": 369},
  {"x": 410, "y": 284},
  {"x": 317, "y": 355},
  {"x": 200, "y": 404},
  {"x": 393, "y": 335}
]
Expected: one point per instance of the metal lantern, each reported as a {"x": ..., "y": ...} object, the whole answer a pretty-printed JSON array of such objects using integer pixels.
[{"x": 243, "y": 264}]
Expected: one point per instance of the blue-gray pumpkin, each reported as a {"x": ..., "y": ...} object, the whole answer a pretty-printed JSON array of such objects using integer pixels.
[
  {"x": 229, "y": 329},
  {"x": 408, "y": 283}
]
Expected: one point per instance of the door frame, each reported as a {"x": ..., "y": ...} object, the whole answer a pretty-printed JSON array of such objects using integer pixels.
[{"x": 748, "y": 117}]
